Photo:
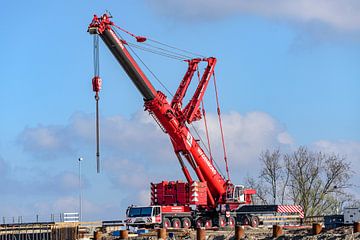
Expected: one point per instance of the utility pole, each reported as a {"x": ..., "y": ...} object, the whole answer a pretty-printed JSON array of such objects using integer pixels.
[{"x": 80, "y": 190}]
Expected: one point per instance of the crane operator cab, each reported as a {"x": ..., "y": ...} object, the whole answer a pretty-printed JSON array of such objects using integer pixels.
[
  {"x": 235, "y": 193},
  {"x": 146, "y": 215}
]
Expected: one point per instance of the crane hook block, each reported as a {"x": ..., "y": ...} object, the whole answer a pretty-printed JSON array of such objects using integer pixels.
[
  {"x": 140, "y": 39},
  {"x": 96, "y": 83}
]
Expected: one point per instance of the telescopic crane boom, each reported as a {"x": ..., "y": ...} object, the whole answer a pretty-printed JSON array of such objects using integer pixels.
[{"x": 171, "y": 116}]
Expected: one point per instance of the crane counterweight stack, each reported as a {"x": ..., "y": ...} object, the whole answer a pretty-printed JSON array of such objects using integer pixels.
[{"x": 222, "y": 196}]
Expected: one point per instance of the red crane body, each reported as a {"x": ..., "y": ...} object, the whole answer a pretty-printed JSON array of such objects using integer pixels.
[
  {"x": 171, "y": 116},
  {"x": 226, "y": 203}
]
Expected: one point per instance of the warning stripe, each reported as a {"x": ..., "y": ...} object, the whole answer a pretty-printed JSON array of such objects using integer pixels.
[{"x": 291, "y": 209}]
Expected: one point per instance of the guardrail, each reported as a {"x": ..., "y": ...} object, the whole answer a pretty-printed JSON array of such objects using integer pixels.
[
  {"x": 312, "y": 219},
  {"x": 290, "y": 219},
  {"x": 280, "y": 219}
]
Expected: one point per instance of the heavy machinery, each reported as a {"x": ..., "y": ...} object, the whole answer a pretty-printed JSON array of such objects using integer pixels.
[{"x": 175, "y": 203}]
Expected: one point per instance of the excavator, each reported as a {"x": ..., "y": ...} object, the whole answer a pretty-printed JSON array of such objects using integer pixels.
[{"x": 207, "y": 198}]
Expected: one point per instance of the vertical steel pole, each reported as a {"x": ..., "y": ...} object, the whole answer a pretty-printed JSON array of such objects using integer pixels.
[
  {"x": 80, "y": 191},
  {"x": 97, "y": 134},
  {"x": 26, "y": 229}
]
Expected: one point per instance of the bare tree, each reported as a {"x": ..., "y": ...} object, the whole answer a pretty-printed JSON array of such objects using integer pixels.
[
  {"x": 273, "y": 179},
  {"x": 316, "y": 179},
  {"x": 271, "y": 171},
  {"x": 262, "y": 192}
]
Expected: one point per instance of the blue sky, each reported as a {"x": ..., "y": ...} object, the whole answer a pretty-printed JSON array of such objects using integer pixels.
[{"x": 288, "y": 75}]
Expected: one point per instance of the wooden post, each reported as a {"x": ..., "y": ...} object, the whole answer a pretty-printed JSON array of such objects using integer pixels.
[
  {"x": 124, "y": 234},
  {"x": 277, "y": 231},
  {"x": 200, "y": 234},
  {"x": 97, "y": 235},
  {"x": 316, "y": 228},
  {"x": 161, "y": 233},
  {"x": 356, "y": 227},
  {"x": 239, "y": 232}
]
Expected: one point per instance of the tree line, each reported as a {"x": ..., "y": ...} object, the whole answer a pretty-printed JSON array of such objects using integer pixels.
[{"x": 315, "y": 180}]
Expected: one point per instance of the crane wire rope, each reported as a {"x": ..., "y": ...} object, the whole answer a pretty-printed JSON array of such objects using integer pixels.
[
  {"x": 96, "y": 55},
  {"x": 143, "y": 39},
  {"x": 205, "y": 121},
  {"x": 205, "y": 147},
  {"x": 173, "y": 55},
  {"x": 179, "y": 49},
  {"x": 160, "y": 50},
  {"x": 165, "y": 50},
  {"x": 221, "y": 128},
  {"x": 151, "y": 72},
  {"x": 96, "y": 76}
]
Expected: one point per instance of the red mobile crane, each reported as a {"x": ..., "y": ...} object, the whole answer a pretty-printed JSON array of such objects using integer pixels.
[{"x": 216, "y": 199}]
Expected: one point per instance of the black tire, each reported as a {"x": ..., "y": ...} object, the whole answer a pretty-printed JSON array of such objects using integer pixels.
[
  {"x": 199, "y": 223},
  {"x": 245, "y": 220},
  {"x": 166, "y": 223},
  {"x": 231, "y": 222},
  {"x": 208, "y": 223},
  {"x": 186, "y": 223},
  {"x": 222, "y": 221},
  {"x": 255, "y": 221},
  {"x": 176, "y": 223}
]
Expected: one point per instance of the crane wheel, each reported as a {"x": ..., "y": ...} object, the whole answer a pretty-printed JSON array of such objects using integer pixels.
[
  {"x": 175, "y": 223},
  {"x": 186, "y": 223},
  {"x": 222, "y": 221},
  {"x": 166, "y": 223},
  {"x": 208, "y": 223},
  {"x": 245, "y": 220},
  {"x": 255, "y": 221},
  {"x": 199, "y": 223},
  {"x": 231, "y": 222}
]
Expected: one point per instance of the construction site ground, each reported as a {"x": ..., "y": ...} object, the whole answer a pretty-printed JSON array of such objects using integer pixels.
[{"x": 345, "y": 232}]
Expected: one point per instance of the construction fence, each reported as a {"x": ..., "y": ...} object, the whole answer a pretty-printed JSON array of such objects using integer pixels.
[{"x": 39, "y": 231}]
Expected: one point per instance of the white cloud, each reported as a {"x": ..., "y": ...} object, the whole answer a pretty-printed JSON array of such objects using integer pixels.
[
  {"x": 46, "y": 142},
  {"x": 348, "y": 149},
  {"x": 66, "y": 204},
  {"x": 129, "y": 136},
  {"x": 32, "y": 182},
  {"x": 137, "y": 147},
  {"x": 127, "y": 174},
  {"x": 144, "y": 197},
  {"x": 246, "y": 136},
  {"x": 67, "y": 182},
  {"x": 285, "y": 138},
  {"x": 339, "y": 14},
  {"x": 3, "y": 167},
  {"x": 136, "y": 152}
]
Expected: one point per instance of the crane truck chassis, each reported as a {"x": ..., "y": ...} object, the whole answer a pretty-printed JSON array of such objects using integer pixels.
[
  {"x": 211, "y": 200},
  {"x": 154, "y": 216}
]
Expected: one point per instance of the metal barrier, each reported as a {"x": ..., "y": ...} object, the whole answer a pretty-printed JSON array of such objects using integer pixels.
[
  {"x": 71, "y": 217},
  {"x": 280, "y": 219},
  {"x": 312, "y": 219},
  {"x": 290, "y": 220},
  {"x": 39, "y": 231}
]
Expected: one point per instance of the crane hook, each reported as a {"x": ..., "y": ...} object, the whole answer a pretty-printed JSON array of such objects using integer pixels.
[{"x": 97, "y": 82}]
